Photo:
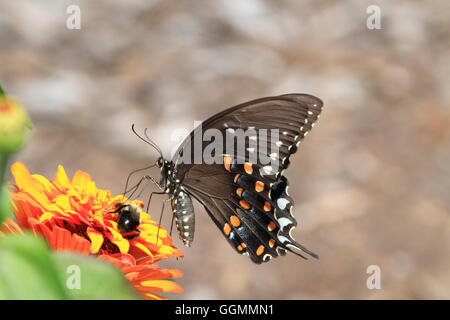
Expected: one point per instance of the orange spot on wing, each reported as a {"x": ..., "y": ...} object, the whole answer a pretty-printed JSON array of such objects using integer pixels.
[
  {"x": 259, "y": 186},
  {"x": 235, "y": 221},
  {"x": 239, "y": 191},
  {"x": 236, "y": 177},
  {"x": 244, "y": 204},
  {"x": 267, "y": 206},
  {"x": 271, "y": 226},
  {"x": 226, "y": 229},
  {"x": 248, "y": 168},
  {"x": 227, "y": 163},
  {"x": 271, "y": 243},
  {"x": 260, "y": 250}
]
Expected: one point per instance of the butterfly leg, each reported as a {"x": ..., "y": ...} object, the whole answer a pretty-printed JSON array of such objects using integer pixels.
[
  {"x": 131, "y": 174},
  {"x": 150, "y": 198},
  {"x": 147, "y": 180},
  {"x": 160, "y": 218},
  {"x": 136, "y": 187},
  {"x": 171, "y": 225}
]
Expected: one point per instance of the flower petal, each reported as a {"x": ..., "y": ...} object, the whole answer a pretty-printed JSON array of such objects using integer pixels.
[
  {"x": 118, "y": 240},
  {"x": 80, "y": 180},
  {"x": 25, "y": 207},
  {"x": 143, "y": 248},
  {"x": 153, "y": 296},
  {"x": 80, "y": 245},
  {"x": 96, "y": 239},
  {"x": 61, "y": 181},
  {"x": 46, "y": 216},
  {"x": 162, "y": 286},
  {"x": 10, "y": 226},
  {"x": 21, "y": 175},
  {"x": 123, "y": 261},
  {"x": 47, "y": 186}
]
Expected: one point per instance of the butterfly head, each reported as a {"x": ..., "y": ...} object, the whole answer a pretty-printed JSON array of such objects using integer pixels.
[
  {"x": 167, "y": 173},
  {"x": 160, "y": 162}
]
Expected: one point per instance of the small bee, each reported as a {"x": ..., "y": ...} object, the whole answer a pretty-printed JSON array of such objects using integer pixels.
[{"x": 129, "y": 219}]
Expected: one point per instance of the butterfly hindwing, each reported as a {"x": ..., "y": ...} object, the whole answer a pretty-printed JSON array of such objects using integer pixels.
[
  {"x": 254, "y": 216},
  {"x": 243, "y": 234}
]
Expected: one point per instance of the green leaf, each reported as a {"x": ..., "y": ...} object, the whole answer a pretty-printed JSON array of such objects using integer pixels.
[
  {"x": 90, "y": 278},
  {"x": 30, "y": 270},
  {"x": 27, "y": 270}
]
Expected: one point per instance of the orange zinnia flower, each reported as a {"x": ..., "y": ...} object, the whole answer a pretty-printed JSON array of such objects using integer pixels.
[{"x": 76, "y": 216}]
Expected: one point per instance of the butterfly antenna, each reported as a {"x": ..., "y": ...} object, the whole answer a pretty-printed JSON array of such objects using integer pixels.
[
  {"x": 155, "y": 146},
  {"x": 153, "y": 143},
  {"x": 149, "y": 142}
]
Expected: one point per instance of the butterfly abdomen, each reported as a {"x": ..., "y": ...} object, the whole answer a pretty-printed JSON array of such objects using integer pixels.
[{"x": 183, "y": 211}]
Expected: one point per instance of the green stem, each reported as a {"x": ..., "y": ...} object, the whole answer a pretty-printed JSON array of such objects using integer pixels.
[
  {"x": 3, "y": 168},
  {"x": 3, "y": 157},
  {"x": 5, "y": 210}
]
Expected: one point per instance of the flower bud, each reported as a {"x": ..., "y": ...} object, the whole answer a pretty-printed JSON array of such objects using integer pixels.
[{"x": 13, "y": 123}]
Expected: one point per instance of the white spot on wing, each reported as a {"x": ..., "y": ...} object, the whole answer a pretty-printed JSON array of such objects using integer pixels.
[
  {"x": 284, "y": 222},
  {"x": 283, "y": 239},
  {"x": 282, "y": 203},
  {"x": 266, "y": 170}
]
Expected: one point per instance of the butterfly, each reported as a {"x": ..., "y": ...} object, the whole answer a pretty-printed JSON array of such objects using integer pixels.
[{"x": 247, "y": 199}]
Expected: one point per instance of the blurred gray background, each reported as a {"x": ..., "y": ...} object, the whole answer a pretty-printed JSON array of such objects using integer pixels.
[{"x": 372, "y": 180}]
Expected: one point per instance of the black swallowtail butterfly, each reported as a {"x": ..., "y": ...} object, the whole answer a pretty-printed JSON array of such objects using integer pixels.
[{"x": 248, "y": 201}]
